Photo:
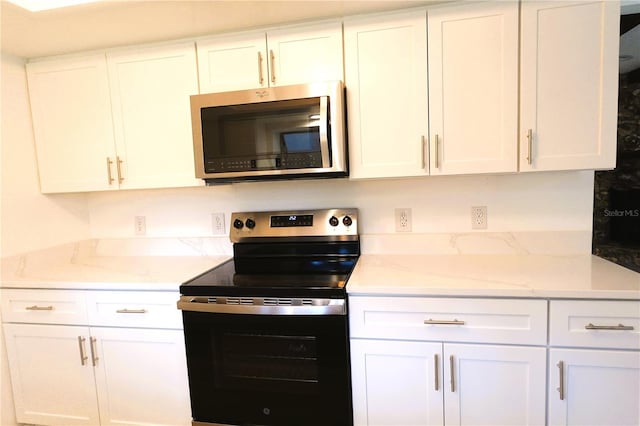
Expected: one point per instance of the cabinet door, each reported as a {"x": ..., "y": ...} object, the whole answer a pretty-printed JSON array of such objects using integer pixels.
[
  {"x": 396, "y": 383},
  {"x": 304, "y": 56},
  {"x": 386, "y": 80},
  {"x": 52, "y": 383},
  {"x": 569, "y": 85},
  {"x": 141, "y": 377},
  {"x": 72, "y": 123},
  {"x": 473, "y": 88},
  {"x": 494, "y": 385},
  {"x": 233, "y": 62},
  {"x": 150, "y": 89},
  {"x": 599, "y": 387}
]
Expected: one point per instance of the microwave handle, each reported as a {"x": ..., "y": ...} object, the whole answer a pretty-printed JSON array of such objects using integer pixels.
[{"x": 324, "y": 134}]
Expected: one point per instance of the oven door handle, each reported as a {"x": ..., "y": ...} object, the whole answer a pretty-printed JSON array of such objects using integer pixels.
[{"x": 262, "y": 306}]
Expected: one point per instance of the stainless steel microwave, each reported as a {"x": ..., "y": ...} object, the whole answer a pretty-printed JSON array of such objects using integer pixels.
[{"x": 276, "y": 133}]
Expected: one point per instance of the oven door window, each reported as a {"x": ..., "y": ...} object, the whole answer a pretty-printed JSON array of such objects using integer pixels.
[
  {"x": 263, "y": 369},
  {"x": 269, "y": 362},
  {"x": 291, "y": 134}
]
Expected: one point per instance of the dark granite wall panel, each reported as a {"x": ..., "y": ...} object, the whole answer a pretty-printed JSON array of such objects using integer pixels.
[{"x": 616, "y": 218}]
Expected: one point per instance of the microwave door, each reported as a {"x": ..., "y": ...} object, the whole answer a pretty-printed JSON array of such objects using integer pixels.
[{"x": 324, "y": 131}]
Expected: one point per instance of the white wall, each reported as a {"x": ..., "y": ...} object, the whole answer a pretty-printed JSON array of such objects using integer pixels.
[
  {"x": 29, "y": 219},
  {"x": 518, "y": 202}
]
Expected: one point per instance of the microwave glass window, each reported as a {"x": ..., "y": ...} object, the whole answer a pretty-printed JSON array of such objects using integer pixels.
[
  {"x": 264, "y": 136},
  {"x": 301, "y": 141}
]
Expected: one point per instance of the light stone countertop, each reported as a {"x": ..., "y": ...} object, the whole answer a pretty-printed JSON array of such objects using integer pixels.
[
  {"x": 163, "y": 273},
  {"x": 87, "y": 265},
  {"x": 530, "y": 276},
  {"x": 163, "y": 264}
]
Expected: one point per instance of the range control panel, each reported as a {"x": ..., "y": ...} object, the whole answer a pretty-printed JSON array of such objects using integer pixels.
[{"x": 339, "y": 223}]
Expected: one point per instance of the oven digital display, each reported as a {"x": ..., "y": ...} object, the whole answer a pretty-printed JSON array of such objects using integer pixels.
[{"x": 291, "y": 220}]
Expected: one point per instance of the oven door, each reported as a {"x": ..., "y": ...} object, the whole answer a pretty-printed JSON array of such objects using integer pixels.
[{"x": 268, "y": 369}]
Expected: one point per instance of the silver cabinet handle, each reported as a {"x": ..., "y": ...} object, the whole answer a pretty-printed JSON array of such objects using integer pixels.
[
  {"x": 272, "y": 58},
  {"x": 444, "y": 322},
  {"x": 131, "y": 311},
  {"x": 119, "y": 167},
  {"x": 561, "y": 387},
  {"x": 109, "y": 176},
  {"x": 437, "y": 152},
  {"x": 436, "y": 368},
  {"x": 94, "y": 351},
  {"x": 260, "y": 74},
  {"x": 39, "y": 308},
  {"x": 608, "y": 327},
  {"x": 83, "y": 353},
  {"x": 424, "y": 151},
  {"x": 529, "y": 143},
  {"x": 452, "y": 363}
]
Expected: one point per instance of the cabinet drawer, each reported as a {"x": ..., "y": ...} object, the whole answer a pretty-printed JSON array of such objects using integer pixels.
[
  {"x": 447, "y": 319},
  {"x": 134, "y": 309},
  {"x": 44, "y": 306},
  {"x": 598, "y": 324}
]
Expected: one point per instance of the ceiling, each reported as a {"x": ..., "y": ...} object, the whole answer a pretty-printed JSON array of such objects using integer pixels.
[{"x": 111, "y": 23}]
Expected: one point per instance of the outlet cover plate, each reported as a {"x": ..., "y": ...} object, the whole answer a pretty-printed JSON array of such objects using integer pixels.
[
  {"x": 479, "y": 217},
  {"x": 403, "y": 220},
  {"x": 217, "y": 223}
]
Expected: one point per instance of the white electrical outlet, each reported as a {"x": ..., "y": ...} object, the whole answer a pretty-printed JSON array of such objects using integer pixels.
[
  {"x": 479, "y": 217},
  {"x": 217, "y": 222},
  {"x": 403, "y": 220},
  {"x": 140, "y": 225}
]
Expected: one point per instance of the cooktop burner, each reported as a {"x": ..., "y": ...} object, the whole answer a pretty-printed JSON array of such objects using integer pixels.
[{"x": 307, "y": 253}]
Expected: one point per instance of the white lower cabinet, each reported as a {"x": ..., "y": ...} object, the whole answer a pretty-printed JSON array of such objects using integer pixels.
[
  {"x": 599, "y": 387},
  {"x": 141, "y": 377},
  {"x": 594, "y": 363},
  {"x": 394, "y": 382},
  {"x": 494, "y": 385},
  {"x": 408, "y": 368},
  {"x": 421, "y": 383},
  {"x": 96, "y": 370},
  {"x": 51, "y": 386}
]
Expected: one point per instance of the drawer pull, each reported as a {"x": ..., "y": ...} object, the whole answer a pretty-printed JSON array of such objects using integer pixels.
[
  {"x": 608, "y": 327},
  {"x": 443, "y": 322},
  {"x": 94, "y": 351},
  {"x": 39, "y": 308},
  {"x": 452, "y": 364},
  {"x": 561, "y": 374},
  {"x": 131, "y": 311},
  {"x": 83, "y": 353},
  {"x": 437, "y": 372}
]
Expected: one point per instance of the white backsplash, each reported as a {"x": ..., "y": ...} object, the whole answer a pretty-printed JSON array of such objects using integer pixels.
[{"x": 527, "y": 213}]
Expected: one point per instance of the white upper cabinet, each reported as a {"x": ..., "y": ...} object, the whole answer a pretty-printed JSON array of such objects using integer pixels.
[
  {"x": 118, "y": 120},
  {"x": 233, "y": 62},
  {"x": 150, "y": 91},
  {"x": 72, "y": 123},
  {"x": 473, "y": 88},
  {"x": 306, "y": 55},
  {"x": 294, "y": 55},
  {"x": 569, "y": 85},
  {"x": 386, "y": 80}
]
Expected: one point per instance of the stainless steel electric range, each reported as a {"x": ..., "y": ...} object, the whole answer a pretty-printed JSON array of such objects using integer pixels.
[{"x": 266, "y": 333}]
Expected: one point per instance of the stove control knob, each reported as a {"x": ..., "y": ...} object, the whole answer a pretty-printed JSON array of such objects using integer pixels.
[
  {"x": 238, "y": 224},
  {"x": 347, "y": 221},
  {"x": 250, "y": 223},
  {"x": 333, "y": 221}
]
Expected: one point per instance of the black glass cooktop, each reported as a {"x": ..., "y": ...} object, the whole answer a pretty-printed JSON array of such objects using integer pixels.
[
  {"x": 223, "y": 280},
  {"x": 283, "y": 270}
]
